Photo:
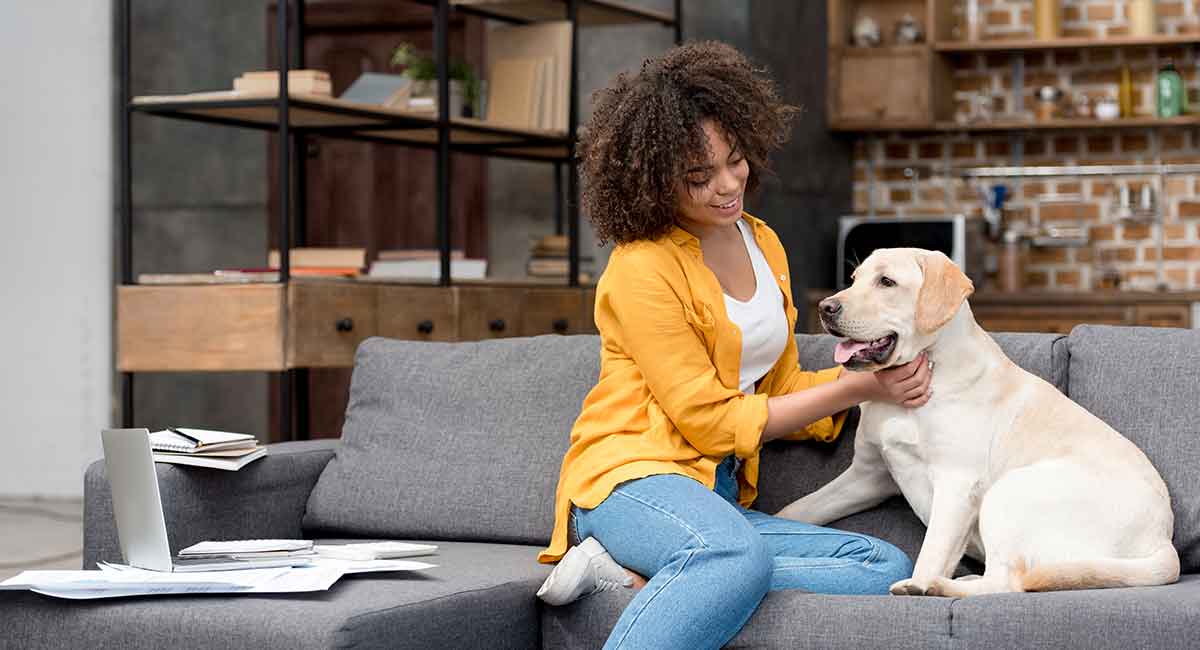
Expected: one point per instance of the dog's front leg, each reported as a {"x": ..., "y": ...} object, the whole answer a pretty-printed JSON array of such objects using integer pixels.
[
  {"x": 865, "y": 484},
  {"x": 953, "y": 514}
]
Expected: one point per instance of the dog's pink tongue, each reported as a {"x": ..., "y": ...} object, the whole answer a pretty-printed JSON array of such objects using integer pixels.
[{"x": 846, "y": 349}]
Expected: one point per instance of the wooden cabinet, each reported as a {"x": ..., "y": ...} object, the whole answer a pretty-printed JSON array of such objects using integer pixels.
[
  {"x": 199, "y": 328},
  {"x": 1056, "y": 319},
  {"x": 893, "y": 85}
]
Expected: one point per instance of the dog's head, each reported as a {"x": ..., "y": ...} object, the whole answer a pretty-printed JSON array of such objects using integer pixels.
[{"x": 899, "y": 301}]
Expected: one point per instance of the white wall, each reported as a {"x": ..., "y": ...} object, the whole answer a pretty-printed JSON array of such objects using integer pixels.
[{"x": 56, "y": 224}]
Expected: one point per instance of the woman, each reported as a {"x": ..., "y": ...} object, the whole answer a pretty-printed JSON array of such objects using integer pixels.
[{"x": 698, "y": 368}]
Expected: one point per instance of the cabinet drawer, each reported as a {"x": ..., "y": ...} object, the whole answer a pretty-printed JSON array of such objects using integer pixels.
[
  {"x": 327, "y": 322},
  {"x": 489, "y": 313},
  {"x": 417, "y": 313},
  {"x": 552, "y": 311},
  {"x": 193, "y": 328},
  {"x": 587, "y": 316},
  {"x": 1164, "y": 315},
  {"x": 1049, "y": 319}
]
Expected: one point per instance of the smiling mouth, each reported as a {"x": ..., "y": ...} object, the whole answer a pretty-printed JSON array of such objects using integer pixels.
[
  {"x": 858, "y": 354},
  {"x": 727, "y": 206}
]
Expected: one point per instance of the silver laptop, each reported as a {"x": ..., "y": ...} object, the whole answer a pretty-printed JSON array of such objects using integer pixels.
[{"x": 141, "y": 527}]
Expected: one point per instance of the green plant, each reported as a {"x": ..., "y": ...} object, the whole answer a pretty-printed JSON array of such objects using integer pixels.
[{"x": 421, "y": 67}]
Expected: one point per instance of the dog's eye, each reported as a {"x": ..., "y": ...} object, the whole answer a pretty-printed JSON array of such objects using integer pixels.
[{"x": 885, "y": 281}]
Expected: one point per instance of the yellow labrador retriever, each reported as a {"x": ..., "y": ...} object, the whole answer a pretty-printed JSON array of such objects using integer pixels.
[{"x": 998, "y": 464}]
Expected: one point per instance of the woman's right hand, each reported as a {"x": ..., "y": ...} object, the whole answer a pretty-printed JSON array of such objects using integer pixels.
[{"x": 907, "y": 385}]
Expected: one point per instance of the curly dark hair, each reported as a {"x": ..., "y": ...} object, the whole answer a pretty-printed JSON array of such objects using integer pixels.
[{"x": 646, "y": 130}]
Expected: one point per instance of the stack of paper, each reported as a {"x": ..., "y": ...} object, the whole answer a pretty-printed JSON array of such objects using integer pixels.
[
  {"x": 115, "y": 580},
  {"x": 245, "y": 549},
  {"x": 205, "y": 448}
]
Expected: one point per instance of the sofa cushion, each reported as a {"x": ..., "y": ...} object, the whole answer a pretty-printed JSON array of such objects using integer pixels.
[
  {"x": 1144, "y": 383},
  {"x": 479, "y": 596},
  {"x": 455, "y": 440},
  {"x": 784, "y": 619},
  {"x": 1164, "y": 618}
]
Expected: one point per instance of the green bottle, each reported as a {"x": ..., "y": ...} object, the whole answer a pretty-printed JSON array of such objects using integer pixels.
[{"x": 1169, "y": 86}]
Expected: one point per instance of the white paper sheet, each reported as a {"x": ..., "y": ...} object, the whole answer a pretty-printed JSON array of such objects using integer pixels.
[{"x": 117, "y": 580}]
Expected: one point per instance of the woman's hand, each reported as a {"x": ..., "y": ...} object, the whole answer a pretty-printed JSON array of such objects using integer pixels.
[{"x": 907, "y": 385}]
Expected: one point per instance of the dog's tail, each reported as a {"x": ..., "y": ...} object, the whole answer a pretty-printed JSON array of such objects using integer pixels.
[{"x": 1159, "y": 568}]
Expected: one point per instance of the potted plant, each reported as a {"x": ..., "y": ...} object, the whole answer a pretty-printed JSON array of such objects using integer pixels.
[{"x": 421, "y": 69}]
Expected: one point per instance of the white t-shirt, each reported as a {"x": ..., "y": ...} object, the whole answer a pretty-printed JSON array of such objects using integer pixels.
[{"x": 761, "y": 318}]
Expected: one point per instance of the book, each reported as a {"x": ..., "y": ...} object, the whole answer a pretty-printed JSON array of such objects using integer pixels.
[
  {"x": 379, "y": 88},
  {"x": 204, "y": 278},
  {"x": 325, "y": 271},
  {"x": 242, "y": 546},
  {"x": 542, "y": 40},
  {"x": 190, "y": 441},
  {"x": 214, "y": 462},
  {"x": 312, "y": 82},
  {"x": 512, "y": 87},
  {"x": 428, "y": 269},
  {"x": 355, "y": 258},
  {"x": 418, "y": 254}
]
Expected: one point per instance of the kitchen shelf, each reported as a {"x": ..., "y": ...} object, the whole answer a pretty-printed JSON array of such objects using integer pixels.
[
  {"x": 591, "y": 12},
  {"x": 1021, "y": 45},
  {"x": 328, "y": 116},
  {"x": 1071, "y": 123}
]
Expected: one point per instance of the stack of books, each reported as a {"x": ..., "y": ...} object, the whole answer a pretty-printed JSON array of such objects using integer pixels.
[
  {"x": 305, "y": 262},
  {"x": 425, "y": 265},
  {"x": 529, "y": 75},
  {"x": 548, "y": 259},
  {"x": 205, "y": 448},
  {"x": 308, "y": 82}
]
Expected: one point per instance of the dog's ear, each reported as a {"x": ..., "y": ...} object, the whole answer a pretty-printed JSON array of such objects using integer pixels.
[{"x": 943, "y": 291}]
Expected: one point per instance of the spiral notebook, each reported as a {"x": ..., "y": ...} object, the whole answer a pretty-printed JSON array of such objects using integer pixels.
[{"x": 191, "y": 441}]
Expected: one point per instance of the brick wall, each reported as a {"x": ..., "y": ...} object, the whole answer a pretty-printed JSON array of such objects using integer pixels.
[{"x": 1128, "y": 247}]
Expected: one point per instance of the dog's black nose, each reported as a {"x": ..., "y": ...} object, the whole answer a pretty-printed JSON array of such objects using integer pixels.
[{"x": 830, "y": 307}]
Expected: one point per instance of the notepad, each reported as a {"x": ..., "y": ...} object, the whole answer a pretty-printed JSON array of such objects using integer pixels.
[{"x": 181, "y": 440}]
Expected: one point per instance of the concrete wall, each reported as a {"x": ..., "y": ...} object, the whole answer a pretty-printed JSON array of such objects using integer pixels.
[
  {"x": 199, "y": 191},
  {"x": 55, "y": 261}
]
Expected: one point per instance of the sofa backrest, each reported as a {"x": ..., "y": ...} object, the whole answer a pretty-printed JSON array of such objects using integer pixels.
[
  {"x": 1145, "y": 383},
  {"x": 465, "y": 440},
  {"x": 791, "y": 470},
  {"x": 455, "y": 440}
]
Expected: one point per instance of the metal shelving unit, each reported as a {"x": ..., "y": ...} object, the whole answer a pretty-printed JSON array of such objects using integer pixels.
[{"x": 295, "y": 117}]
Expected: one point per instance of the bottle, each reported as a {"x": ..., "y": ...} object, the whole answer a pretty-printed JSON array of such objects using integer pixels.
[
  {"x": 1010, "y": 266},
  {"x": 1047, "y": 19},
  {"x": 1125, "y": 94},
  {"x": 1169, "y": 87},
  {"x": 1142, "y": 19}
]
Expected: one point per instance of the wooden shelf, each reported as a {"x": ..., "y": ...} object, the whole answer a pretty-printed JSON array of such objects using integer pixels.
[
  {"x": 340, "y": 118},
  {"x": 1019, "y": 45},
  {"x": 1071, "y": 123},
  {"x": 591, "y": 12}
]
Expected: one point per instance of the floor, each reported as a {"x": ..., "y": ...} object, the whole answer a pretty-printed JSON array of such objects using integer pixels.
[{"x": 40, "y": 534}]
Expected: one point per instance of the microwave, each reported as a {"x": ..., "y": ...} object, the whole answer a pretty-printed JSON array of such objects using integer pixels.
[{"x": 961, "y": 239}]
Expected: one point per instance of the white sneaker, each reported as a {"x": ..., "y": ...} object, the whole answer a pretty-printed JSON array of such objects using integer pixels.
[{"x": 585, "y": 569}]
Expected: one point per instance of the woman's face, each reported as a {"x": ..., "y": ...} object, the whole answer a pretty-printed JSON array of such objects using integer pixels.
[{"x": 710, "y": 194}]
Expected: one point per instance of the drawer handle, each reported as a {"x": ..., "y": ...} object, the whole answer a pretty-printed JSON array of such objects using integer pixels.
[
  {"x": 496, "y": 325},
  {"x": 560, "y": 325},
  {"x": 425, "y": 327},
  {"x": 344, "y": 325}
]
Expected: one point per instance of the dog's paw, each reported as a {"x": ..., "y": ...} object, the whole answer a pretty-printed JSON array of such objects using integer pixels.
[
  {"x": 940, "y": 586},
  {"x": 910, "y": 587}
]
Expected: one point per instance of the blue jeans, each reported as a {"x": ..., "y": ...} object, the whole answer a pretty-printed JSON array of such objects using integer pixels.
[{"x": 710, "y": 561}]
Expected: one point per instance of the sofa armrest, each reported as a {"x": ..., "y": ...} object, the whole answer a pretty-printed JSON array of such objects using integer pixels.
[{"x": 265, "y": 499}]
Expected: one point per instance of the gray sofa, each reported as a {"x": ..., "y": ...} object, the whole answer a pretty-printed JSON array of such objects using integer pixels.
[{"x": 461, "y": 444}]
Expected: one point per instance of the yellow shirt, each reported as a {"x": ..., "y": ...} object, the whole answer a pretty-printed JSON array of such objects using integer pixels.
[{"x": 667, "y": 401}]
